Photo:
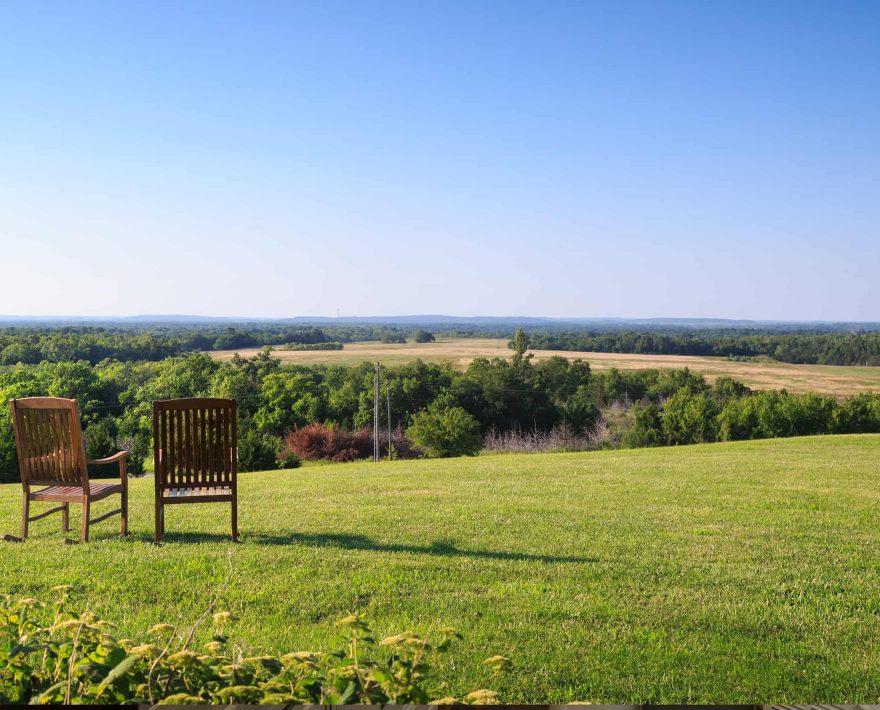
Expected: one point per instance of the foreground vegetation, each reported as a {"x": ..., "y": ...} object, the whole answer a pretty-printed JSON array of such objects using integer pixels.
[
  {"x": 741, "y": 572},
  {"x": 50, "y": 654}
]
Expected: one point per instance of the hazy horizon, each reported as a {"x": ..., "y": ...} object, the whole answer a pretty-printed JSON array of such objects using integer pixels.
[
  {"x": 414, "y": 318},
  {"x": 675, "y": 159}
]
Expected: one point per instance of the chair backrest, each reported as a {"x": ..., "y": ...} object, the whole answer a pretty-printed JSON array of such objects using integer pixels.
[
  {"x": 194, "y": 443},
  {"x": 48, "y": 437}
]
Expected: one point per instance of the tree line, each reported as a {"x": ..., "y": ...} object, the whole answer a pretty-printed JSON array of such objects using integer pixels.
[
  {"x": 440, "y": 410},
  {"x": 131, "y": 343},
  {"x": 801, "y": 348},
  {"x": 30, "y": 346}
]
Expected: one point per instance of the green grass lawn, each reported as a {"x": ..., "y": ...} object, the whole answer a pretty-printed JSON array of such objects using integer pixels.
[{"x": 744, "y": 572}]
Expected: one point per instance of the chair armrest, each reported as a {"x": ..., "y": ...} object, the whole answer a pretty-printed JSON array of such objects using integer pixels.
[{"x": 118, "y": 456}]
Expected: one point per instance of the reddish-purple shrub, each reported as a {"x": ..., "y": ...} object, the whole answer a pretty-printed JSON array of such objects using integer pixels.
[
  {"x": 318, "y": 441},
  {"x": 309, "y": 442}
]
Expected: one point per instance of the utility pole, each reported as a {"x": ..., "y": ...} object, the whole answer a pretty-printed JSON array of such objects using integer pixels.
[
  {"x": 388, "y": 397},
  {"x": 376, "y": 414}
]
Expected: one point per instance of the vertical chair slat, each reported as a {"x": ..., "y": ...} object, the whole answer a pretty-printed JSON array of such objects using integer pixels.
[
  {"x": 175, "y": 428},
  {"x": 212, "y": 446},
  {"x": 22, "y": 429},
  {"x": 188, "y": 446},
  {"x": 168, "y": 443},
  {"x": 227, "y": 469},
  {"x": 61, "y": 452},
  {"x": 196, "y": 464},
  {"x": 203, "y": 445},
  {"x": 192, "y": 446},
  {"x": 36, "y": 445},
  {"x": 19, "y": 427},
  {"x": 172, "y": 449},
  {"x": 218, "y": 446},
  {"x": 181, "y": 453},
  {"x": 32, "y": 435},
  {"x": 218, "y": 465},
  {"x": 158, "y": 455},
  {"x": 57, "y": 446},
  {"x": 178, "y": 434},
  {"x": 45, "y": 445},
  {"x": 233, "y": 456},
  {"x": 58, "y": 425}
]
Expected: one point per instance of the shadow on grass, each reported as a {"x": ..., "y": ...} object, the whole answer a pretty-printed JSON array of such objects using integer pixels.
[{"x": 439, "y": 548}]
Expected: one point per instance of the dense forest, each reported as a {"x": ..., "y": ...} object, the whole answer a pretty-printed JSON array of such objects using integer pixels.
[
  {"x": 155, "y": 341},
  {"x": 436, "y": 410},
  {"x": 93, "y": 344},
  {"x": 799, "y": 348}
]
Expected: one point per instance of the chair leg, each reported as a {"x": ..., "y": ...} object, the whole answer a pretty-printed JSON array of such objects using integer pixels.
[
  {"x": 123, "y": 525},
  {"x": 86, "y": 504},
  {"x": 234, "y": 520},
  {"x": 25, "y": 514},
  {"x": 65, "y": 518},
  {"x": 160, "y": 521}
]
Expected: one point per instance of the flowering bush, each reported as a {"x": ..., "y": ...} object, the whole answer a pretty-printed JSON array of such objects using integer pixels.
[{"x": 50, "y": 654}]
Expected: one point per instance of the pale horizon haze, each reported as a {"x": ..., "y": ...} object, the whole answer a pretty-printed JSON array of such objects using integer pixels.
[{"x": 568, "y": 159}]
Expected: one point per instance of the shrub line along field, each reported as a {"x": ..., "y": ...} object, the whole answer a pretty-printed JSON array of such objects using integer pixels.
[
  {"x": 822, "y": 379},
  {"x": 742, "y": 572}
]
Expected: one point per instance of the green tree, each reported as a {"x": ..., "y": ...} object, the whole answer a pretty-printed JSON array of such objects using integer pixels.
[
  {"x": 646, "y": 428},
  {"x": 579, "y": 410},
  {"x": 289, "y": 399},
  {"x": 690, "y": 418},
  {"x": 443, "y": 430},
  {"x": 519, "y": 343},
  {"x": 257, "y": 452},
  {"x": 100, "y": 438},
  {"x": 726, "y": 388},
  {"x": 738, "y": 419}
]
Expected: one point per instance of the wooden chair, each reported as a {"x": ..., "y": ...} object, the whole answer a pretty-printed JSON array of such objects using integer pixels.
[
  {"x": 48, "y": 437},
  {"x": 195, "y": 455}
]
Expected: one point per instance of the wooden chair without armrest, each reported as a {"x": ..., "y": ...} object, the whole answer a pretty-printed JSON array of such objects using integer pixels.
[
  {"x": 195, "y": 455},
  {"x": 48, "y": 438}
]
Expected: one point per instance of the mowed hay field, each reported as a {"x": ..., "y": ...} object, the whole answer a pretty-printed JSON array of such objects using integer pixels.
[
  {"x": 745, "y": 572},
  {"x": 822, "y": 379}
]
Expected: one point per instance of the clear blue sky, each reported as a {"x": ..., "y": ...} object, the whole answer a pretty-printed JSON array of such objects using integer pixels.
[{"x": 473, "y": 158}]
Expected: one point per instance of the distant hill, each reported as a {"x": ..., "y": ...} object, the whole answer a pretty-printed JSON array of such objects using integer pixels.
[
  {"x": 439, "y": 321},
  {"x": 600, "y": 323}
]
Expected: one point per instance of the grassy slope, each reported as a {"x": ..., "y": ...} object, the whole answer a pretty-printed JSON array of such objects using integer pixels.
[{"x": 730, "y": 572}]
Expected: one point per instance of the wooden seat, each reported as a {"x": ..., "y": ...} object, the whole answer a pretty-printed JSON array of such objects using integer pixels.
[
  {"x": 174, "y": 495},
  {"x": 97, "y": 491},
  {"x": 195, "y": 455},
  {"x": 48, "y": 438}
]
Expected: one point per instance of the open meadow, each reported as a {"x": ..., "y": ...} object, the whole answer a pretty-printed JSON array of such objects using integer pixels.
[
  {"x": 822, "y": 379},
  {"x": 744, "y": 572}
]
